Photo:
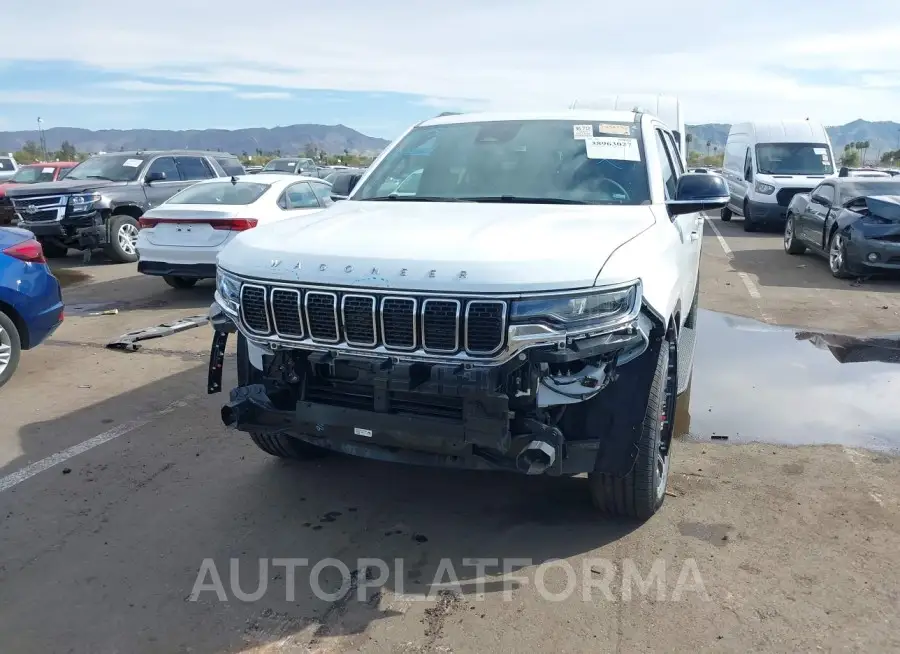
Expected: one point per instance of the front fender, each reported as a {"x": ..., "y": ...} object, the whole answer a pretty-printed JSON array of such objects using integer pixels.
[
  {"x": 653, "y": 257},
  {"x": 846, "y": 218}
]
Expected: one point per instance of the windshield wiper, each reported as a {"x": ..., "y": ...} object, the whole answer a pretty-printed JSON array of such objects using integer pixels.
[
  {"x": 418, "y": 198},
  {"x": 94, "y": 177},
  {"x": 518, "y": 199}
]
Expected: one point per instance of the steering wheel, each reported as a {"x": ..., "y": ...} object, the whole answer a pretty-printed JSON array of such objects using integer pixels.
[{"x": 615, "y": 185}]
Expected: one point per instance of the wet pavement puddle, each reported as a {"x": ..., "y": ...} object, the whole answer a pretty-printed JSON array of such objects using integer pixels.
[
  {"x": 70, "y": 276},
  {"x": 754, "y": 382}
]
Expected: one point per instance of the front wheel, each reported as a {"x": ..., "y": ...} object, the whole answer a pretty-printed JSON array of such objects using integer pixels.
[
  {"x": 180, "y": 282},
  {"x": 837, "y": 256},
  {"x": 123, "y": 233},
  {"x": 726, "y": 215},
  {"x": 641, "y": 492},
  {"x": 10, "y": 348},
  {"x": 749, "y": 225},
  {"x": 283, "y": 446},
  {"x": 792, "y": 244}
]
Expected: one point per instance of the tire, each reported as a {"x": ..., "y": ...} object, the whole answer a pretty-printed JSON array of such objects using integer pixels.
[
  {"x": 791, "y": 244},
  {"x": 641, "y": 492},
  {"x": 54, "y": 250},
  {"x": 117, "y": 249},
  {"x": 180, "y": 282},
  {"x": 726, "y": 215},
  {"x": 837, "y": 256},
  {"x": 283, "y": 446},
  {"x": 10, "y": 348},
  {"x": 749, "y": 225}
]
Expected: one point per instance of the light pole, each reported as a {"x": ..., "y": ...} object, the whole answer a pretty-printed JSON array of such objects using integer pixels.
[{"x": 40, "y": 122}]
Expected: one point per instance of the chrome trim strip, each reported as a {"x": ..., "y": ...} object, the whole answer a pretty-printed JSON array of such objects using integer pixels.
[
  {"x": 265, "y": 296},
  {"x": 334, "y": 304},
  {"x": 374, "y": 321},
  {"x": 503, "y": 312},
  {"x": 299, "y": 295},
  {"x": 436, "y": 294},
  {"x": 415, "y": 333},
  {"x": 455, "y": 326}
]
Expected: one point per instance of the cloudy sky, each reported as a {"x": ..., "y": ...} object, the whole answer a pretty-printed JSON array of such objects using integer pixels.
[{"x": 379, "y": 66}]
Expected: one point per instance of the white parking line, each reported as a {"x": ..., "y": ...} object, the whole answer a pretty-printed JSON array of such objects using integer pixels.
[
  {"x": 37, "y": 467},
  {"x": 749, "y": 284}
]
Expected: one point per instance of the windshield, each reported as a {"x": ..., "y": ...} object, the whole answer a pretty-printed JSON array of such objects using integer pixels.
[
  {"x": 220, "y": 193},
  {"x": 281, "y": 165},
  {"x": 33, "y": 175},
  {"x": 793, "y": 159},
  {"x": 6, "y": 164},
  {"x": 116, "y": 168},
  {"x": 857, "y": 189},
  {"x": 536, "y": 161}
]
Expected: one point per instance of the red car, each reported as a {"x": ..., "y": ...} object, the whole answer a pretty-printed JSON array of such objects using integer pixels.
[{"x": 31, "y": 174}]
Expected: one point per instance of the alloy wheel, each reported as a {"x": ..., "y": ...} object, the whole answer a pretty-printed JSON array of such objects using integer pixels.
[{"x": 127, "y": 238}]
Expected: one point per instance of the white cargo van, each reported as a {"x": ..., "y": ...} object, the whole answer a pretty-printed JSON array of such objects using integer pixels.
[
  {"x": 667, "y": 108},
  {"x": 766, "y": 164}
]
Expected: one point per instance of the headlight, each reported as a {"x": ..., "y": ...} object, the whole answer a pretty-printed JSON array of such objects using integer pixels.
[
  {"x": 83, "y": 202},
  {"x": 765, "y": 189},
  {"x": 229, "y": 291},
  {"x": 581, "y": 310}
]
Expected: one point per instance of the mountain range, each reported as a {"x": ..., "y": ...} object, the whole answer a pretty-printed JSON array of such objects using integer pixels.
[
  {"x": 883, "y": 136},
  {"x": 334, "y": 139},
  {"x": 292, "y": 139}
]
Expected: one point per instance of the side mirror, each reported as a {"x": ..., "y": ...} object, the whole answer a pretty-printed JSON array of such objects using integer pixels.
[
  {"x": 156, "y": 176},
  {"x": 699, "y": 192}
]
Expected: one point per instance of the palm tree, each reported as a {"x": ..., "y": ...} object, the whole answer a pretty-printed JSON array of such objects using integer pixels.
[{"x": 708, "y": 146}]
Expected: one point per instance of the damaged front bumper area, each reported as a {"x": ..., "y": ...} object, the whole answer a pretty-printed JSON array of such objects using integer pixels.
[{"x": 543, "y": 410}]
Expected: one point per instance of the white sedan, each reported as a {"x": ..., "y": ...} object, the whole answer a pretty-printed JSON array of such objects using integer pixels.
[{"x": 179, "y": 239}]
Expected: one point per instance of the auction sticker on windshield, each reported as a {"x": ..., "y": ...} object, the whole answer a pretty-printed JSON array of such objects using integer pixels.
[
  {"x": 46, "y": 170},
  {"x": 608, "y": 147},
  {"x": 618, "y": 130},
  {"x": 133, "y": 163},
  {"x": 583, "y": 131}
]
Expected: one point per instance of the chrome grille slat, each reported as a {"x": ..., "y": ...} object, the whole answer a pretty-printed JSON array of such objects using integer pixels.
[
  {"x": 322, "y": 316},
  {"x": 358, "y": 319},
  {"x": 467, "y": 327},
  {"x": 286, "y": 306},
  {"x": 440, "y": 325},
  {"x": 254, "y": 309},
  {"x": 485, "y": 323},
  {"x": 398, "y": 322}
]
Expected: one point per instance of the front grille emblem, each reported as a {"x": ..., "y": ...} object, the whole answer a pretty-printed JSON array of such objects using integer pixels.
[{"x": 31, "y": 209}]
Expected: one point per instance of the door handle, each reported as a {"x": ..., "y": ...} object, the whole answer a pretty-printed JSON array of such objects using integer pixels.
[{"x": 695, "y": 236}]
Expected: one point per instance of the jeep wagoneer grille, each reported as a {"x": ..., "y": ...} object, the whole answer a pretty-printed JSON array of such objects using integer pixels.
[{"x": 437, "y": 325}]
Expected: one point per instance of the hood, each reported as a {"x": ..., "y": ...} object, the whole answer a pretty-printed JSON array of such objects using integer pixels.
[
  {"x": 792, "y": 181},
  {"x": 449, "y": 247},
  {"x": 62, "y": 186},
  {"x": 886, "y": 207}
]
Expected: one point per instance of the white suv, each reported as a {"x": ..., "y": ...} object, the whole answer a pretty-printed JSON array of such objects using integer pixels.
[{"x": 526, "y": 303}]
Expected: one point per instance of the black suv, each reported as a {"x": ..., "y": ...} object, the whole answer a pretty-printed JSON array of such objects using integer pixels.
[{"x": 99, "y": 202}]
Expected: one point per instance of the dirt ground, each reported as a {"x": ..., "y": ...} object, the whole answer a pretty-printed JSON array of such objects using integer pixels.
[{"x": 120, "y": 490}]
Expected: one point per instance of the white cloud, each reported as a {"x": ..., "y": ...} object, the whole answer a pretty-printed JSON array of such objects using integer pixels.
[
  {"x": 63, "y": 98},
  {"x": 726, "y": 62},
  {"x": 263, "y": 95},
  {"x": 142, "y": 86}
]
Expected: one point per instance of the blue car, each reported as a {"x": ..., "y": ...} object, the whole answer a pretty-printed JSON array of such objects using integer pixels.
[{"x": 31, "y": 306}]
